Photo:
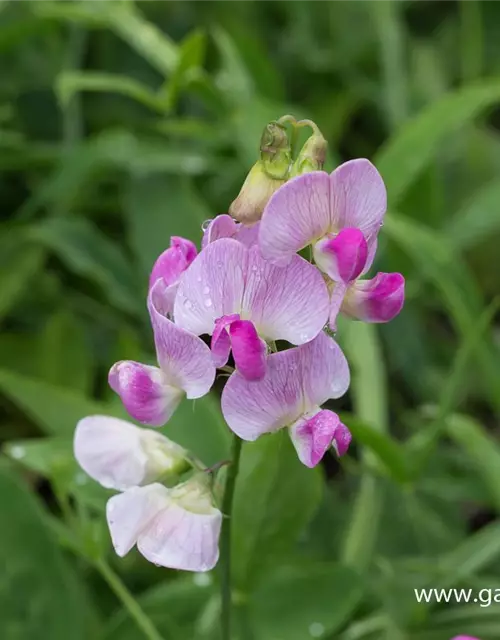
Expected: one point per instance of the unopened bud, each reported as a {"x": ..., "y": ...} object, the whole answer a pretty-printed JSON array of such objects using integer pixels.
[
  {"x": 312, "y": 155},
  {"x": 265, "y": 177}
]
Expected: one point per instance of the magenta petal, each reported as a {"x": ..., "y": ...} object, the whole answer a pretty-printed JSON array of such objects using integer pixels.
[
  {"x": 341, "y": 439},
  {"x": 358, "y": 197},
  {"x": 212, "y": 287},
  {"x": 221, "y": 343},
  {"x": 285, "y": 303},
  {"x": 168, "y": 268},
  {"x": 249, "y": 351},
  {"x": 184, "y": 359},
  {"x": 145, "y": 392},
  {"x": 377, "y": 300},
  {"x": 343, "y": 257},
  {"x": 297, "y": 381},
  {"x": 312, "y": 435},
  {"x": 295, "y": 216},
  {"x": 222, "y": 226}
]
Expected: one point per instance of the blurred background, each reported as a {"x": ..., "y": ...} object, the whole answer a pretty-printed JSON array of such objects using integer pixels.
[{"x": 123, "y": 123}]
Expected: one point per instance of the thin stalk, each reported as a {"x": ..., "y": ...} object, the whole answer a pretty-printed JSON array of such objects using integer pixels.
[
  {"x": 471, "y": 23},
  {"x": 225, "y": 539},
  {"x": 131, "y": 605}
]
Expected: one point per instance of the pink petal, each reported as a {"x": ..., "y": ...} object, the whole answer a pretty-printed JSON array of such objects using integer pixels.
[
  {"x": 464, "y": 638},
  {"x": 358, "y": 197},
  {"x": 120, "y": 455},
  {"x": 324, "y": 371},
  {"x": 212, "y": 287},
  {"x": 289, "y": 302},
  {"x": 253, "y": 408},
  {"x": 109, "y": 450},
  {"x": 248, "y": 235},
  {"x": 169, "y": 267},
  {"x": 130, "y": 512},
  {"x": 145, "y": 391},
  {"x": 221, "y": 342},
  {"x": 181, "y": 539},
  {"x": 312, "y": 435},
  {"x": 249, "y": 351},
  {"x": 342, "y": 257},
  {"x": 341, "y": 439},
  {"x": 377, "y": 300},
  {"x": 185, "y": 359},
  {"x": 295, "y": 216},
  {"x": 297, "y": 381},
  {"x": 339, "y": 290},
  {"x": 222, "y": 226}
]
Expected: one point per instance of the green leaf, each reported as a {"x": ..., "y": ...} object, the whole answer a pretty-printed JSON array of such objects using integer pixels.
[
  {"x": 18, "y": 266},
  {"x": 55, "y": 410},
  {"x": 275, "y": 498},
  {"x": 64, "y": 357},
  {"x": 302, "y": 602},
  {"x": 89, "y": 253},
  {"x": 481, "y": 448},
  {"x": 370, "y": 401},
  {"x": 417, "y": 142},
  {"x": 478, "y": 220},
  {"x": 198, "y": 426},
  {"x": 52, "y": 604},
  {"x": 158, "y": 207},
  {"x": 189, "y": 63},
  {"x": 70, "y": 83}
]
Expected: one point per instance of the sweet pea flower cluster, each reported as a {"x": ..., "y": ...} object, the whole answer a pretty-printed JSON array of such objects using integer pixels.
[{"x": 224, "y": 308}]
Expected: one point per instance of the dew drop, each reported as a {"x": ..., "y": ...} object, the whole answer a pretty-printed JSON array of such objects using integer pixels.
[
  {"x": 206, "y": 290},
  {"x": 187, "y": 304},
  {"x": 17, "y": 452},
  {"x": 220, "y": 264},
  {"x": 254, "y": 268},
  {"x": 208, "y": 302},
  {"x": 206, "y": 224},
  {"x": 198, "y": 279},
  {"x": 316, "y": 630}
]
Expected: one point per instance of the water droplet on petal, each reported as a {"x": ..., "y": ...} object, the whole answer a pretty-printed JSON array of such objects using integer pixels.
[
  {"x": 316, "y": 629},
  {"x": 206, "y": 290},
  {"x": 206, "y": 224},
  {"x": 198, "y": 279},
  {"x": 220, "y": 264},
  {"x": 254, "y": 268},
  {"x": 208, "y": 302},
  {"x": 187, "y": 304}
]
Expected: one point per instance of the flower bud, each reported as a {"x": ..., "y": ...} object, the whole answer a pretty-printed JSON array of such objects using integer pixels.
[
  {"x": 265, "y": 177},
  {"x": 312, "y": 155}
]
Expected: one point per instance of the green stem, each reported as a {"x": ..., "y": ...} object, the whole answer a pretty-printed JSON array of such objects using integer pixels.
[
  {"x": 128, "y": 601},
  {"x": 471, "y": 39},
  {"x": 225, "y": 539}
]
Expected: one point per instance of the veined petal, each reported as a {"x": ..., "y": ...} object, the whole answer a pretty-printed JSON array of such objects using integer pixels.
[
  {"x": 221, "y": 342},
  {"x": 338, "y": 291},
  {"x": 253, "y": 408},
  {"x": 312, "y": 435},
  {"x": 358, "y": 197},
  {"x": 181, "y": 539},
  {"x": 343, "y": 257},
  {"x": 288, "y": 303},
  {"x": 120, "y": 455},
  {"x": 323, "y": 370},
  {"x": 169, "y": 267},
  {"x": 377, "y": 300},
  {"x": 145, "y": 391},
  {"x": 212, "y": 287},
  {"x": 185, "y": 359},
  {"x": 249, "y": 351},
  {"x": 295, "y": 216},
  {"x": 130, "y": 512},
  {"x": 248, "y": 235},
  {"x": 222, "y": 226}
]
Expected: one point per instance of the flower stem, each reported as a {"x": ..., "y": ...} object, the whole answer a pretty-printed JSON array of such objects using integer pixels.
[
  {"x": 225, "y": 539},
  {"x": 129, "y": 602}
]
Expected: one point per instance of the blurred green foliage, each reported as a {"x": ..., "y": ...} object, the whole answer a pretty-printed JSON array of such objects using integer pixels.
[{"x": 122, "y": 124}]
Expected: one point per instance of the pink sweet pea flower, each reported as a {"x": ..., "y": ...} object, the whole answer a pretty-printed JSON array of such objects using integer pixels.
[
  {"x": 176, "y": 528},
  {"x": 464, "y": 638},
  {"x": 151, "y": 394},
  {"x": 169, "y": 267},
  {"x": 231, "y": 293},
  {"x": 340, "y": 215},
  {"x": 224, "y": 226},
  {"x": 297, "y": 383}
]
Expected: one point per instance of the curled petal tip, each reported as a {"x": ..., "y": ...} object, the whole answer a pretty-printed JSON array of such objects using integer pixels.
[
  {"x": 312, "y": 436},
  {"x": 377, "y": 300},
  {"x": 343, "y": 257},
  {"x": 341, "y": 439}
]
